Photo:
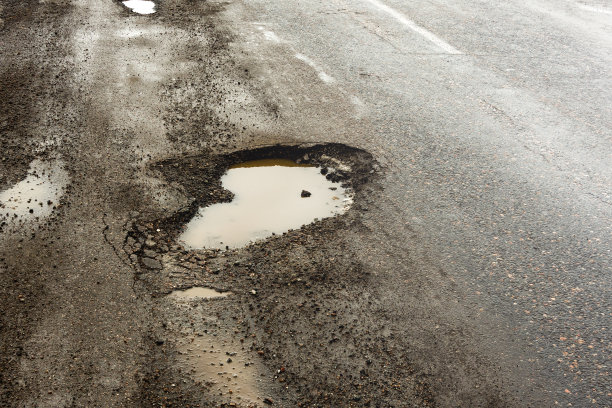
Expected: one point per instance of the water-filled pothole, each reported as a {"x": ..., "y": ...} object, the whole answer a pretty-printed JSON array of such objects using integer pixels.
[
  {"x": 197, "y": 292},
  {"x": 140, "y": 6},
  {"x": 271, "y": 197},
  {"x": 36, "y": 196},
  {"x": 224, "y": 366}
]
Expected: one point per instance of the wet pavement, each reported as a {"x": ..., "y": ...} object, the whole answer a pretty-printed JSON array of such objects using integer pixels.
[
  {"x": 230, "y": 374},
  {"x": 471, "y": 268}
]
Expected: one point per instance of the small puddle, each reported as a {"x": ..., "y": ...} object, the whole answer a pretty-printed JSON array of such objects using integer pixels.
[
  {"x": 140, "y": 6},
  {"x": 35, "y": 196},
  {"x": 271, "y": 197},
  {"x": 198, "y": 292},
  {"x": 223, "y": 365}
]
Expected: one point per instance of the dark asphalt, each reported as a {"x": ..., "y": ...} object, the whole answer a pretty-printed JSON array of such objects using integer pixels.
[
  {"x": 473, "y": 270},
  {"x": 499, "y": 166}
]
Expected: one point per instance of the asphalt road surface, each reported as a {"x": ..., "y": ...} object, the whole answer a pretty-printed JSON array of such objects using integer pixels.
[{"x": 473, "y": 269}]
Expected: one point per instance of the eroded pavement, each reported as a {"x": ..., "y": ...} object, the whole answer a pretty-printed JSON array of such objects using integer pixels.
[{"x": 145, "y": 113}]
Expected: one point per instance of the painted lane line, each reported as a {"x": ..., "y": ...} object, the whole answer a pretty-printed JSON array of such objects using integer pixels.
[
  {"x": 594, "y": 9},
  {"x": 270, "y": 36},
  {"x": 328, "y": 79},
  {"x": 415, "y": 27}
]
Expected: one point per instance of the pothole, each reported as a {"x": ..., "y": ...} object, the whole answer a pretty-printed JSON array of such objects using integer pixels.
[
  {"x": 271, "y": 196},
  {"x": 343, "y": 176},
  {"x": 197, "y": 292},
  {"x": 36, "y": 196},
  {"x": 140, "y": 6}
]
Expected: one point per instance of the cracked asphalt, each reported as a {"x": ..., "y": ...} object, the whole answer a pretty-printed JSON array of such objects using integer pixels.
[{"x": 473, "y": 268}]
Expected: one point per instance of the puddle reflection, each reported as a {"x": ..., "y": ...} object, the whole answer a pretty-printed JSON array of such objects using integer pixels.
[
  {"x": 224, "y": 366},
  {"x": 140, "y": 6},
  {"x": 271, "y": 197},
  {"x": 197, "y": 292},
  {"x": 35, "y": 196}
]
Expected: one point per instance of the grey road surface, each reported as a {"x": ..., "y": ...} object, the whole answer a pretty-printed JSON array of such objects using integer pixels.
[
  {"x": 474, "y": 268},
  {"x": 493, "y": 119}
]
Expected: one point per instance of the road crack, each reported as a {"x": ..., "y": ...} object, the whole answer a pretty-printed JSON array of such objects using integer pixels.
[{"x": 117, "y": 252}]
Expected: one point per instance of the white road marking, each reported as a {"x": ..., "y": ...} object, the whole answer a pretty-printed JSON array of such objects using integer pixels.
[
  {"x": 415, "y": 27},
  {"x": 595, "y": 9},
  {"x": 270, "y": 36},
  {"x": 356, "y": 101},
  {"x": 328, "y": 79}
]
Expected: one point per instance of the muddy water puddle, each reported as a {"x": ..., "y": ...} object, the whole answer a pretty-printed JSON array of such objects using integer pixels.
[
  {"x": 223, "y": 365},
  {"x": 35, "y": 196},
  {"x": 140, "y": 6},
  {"x": 197, "y": 293},
  {"x": 271, "y": 197}
]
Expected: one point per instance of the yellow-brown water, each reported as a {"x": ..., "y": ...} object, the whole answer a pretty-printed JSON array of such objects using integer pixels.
[
  {"x": 268, "y": 200},
  {"x": 197, "y": 292}
]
